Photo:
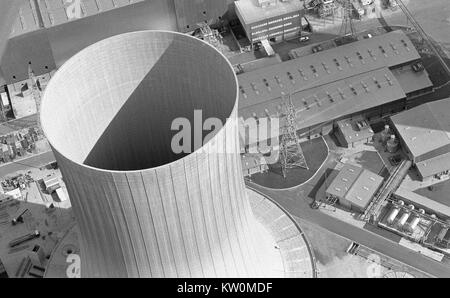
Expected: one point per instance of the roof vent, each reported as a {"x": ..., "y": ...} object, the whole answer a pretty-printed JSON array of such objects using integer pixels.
[
  {"x": 366, "y": 88},
  {"x": 330, "y": 97},
  {"x": 277, "y": 78},
  {"x": 243, "y": 91},
  {"x": 255, "y": 88},
  {"x": 291, "y": 77},
  {"x": 376, "y": 83},
  {"x": 388, "y": 79},
  {"x": 302, "y": 74},
  {"x": 341, "y": 93},
  {"x": 316, "y": 99}
]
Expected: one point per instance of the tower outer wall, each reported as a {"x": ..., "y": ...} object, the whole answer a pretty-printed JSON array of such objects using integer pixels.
[{"x": 189, "y": 218}]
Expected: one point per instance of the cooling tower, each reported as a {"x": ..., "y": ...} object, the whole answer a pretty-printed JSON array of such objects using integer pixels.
[{"x": 143, "y": 210}]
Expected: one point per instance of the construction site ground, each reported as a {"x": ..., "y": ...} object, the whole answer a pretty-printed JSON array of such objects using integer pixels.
[
  {"x": 52, "y": 224},
  {"x": 333, "y": 261}
]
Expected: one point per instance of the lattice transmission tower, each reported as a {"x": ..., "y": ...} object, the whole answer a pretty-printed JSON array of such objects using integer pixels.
[
  {"x": 292, "y": 155},
  {"x": 347, "y": 27}
]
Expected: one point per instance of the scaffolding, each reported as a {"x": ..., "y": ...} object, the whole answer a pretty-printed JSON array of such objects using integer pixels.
[
  {"x": 211, "y": 36},
  {"x": 292, "y": 155}
]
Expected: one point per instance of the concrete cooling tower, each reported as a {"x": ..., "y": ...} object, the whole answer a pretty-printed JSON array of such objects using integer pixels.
[{"x": 143, "y": 210}]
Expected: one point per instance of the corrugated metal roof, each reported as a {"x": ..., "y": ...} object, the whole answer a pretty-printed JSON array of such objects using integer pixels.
[
  {"x": 425, "y": 128},
  {"x": 411, "y": 81},
  {"x": 344, "y": 180},
  {"x": 351, "y": 134},
  {"x": 387, "y": 50},
  {"x": 27, "y": 20},
  {"x": 56, "y": 12},
  {"x": 434, "y": 166},
  {"x": 251, "y": 161},
  {"x": 333, "y": 100},
  {"x": 356, "y": 185},
  {"x": 364, "y": 189}
]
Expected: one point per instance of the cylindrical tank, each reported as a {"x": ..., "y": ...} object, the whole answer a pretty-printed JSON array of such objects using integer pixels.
[
  {"x": 151, "y": 201},
  {"x": 403, "y": 219},
  {"x": 416, "y": 219},
  {"x": 392, "y": 144},
  {"x": 393, "y": 214},
  {"x": 385, "y": 134},
  {"x": 405, "y": 216}
]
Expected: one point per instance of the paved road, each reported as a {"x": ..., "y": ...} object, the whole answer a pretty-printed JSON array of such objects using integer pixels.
[
  {"x": 297, "y": 203},
  {"x": 299, "y": 208},
  {"x": 25, "y": 164}
]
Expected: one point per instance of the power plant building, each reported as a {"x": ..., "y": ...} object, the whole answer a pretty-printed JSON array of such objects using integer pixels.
[
  {"x": 424, "y": 135},
  {"x": 354, "y": 187},
  {"x": 371, "y": 77},
  {"x": 143, "y": 209},
  {"x": 275, "y": 21},
  {"x": 353, "y": 132}
]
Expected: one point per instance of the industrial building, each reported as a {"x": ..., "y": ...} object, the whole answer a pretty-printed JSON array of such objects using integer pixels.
[
  {"x": 424, "y": 136},
  {"x": 273, "y": 20},
  {"x": 48, "y": 32},
  {"x": 253, "y": 164},
  {"x": 142, "y": 209},
  {"x": 351, "y": 133},
  {"x": 354, "y": 187},
  {"x": 371, "y": 77}
]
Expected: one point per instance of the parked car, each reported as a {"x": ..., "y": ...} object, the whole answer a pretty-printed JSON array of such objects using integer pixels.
[{"x": 304, "y": 38}]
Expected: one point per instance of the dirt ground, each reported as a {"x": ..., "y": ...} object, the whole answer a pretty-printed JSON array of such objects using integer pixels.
[{"x": 330, "y": 251}]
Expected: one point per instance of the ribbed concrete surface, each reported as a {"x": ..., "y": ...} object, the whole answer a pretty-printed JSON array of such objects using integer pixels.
[
  {"x": 143, "y": 211},
  {"x": 297, "y": 255}
]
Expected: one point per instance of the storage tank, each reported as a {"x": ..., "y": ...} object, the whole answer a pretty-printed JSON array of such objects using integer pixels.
[
  {"x": 405, "y": 216},
  {"x": 145, "y": 209},
  {"x": 395, "y": 211},
  {"x": 392, "y": 144},
  {"x": 403, "y": 219},
  {"x": 393, "y": 214},
  {"x": 416, "y": 220},
  {"x": 385, "y": 134}
]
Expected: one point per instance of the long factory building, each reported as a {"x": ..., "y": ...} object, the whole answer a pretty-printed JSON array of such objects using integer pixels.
[{"x": 372, "y": 77}]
